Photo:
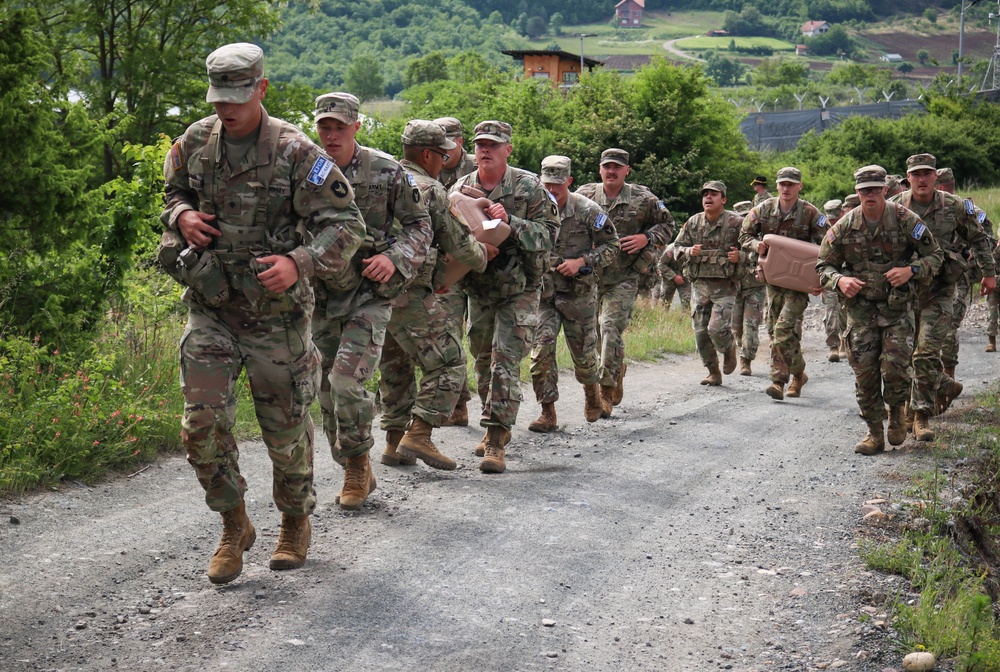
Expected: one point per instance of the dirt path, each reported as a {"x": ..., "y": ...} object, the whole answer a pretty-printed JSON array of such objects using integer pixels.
[
  {"x": 669, "y": 45},
  {"x": 698, "y": 529}
]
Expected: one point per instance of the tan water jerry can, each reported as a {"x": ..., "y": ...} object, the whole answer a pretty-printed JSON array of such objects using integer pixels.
[
  {"x": 790, "y": 263},
  {"x": 469, "y": 205}
]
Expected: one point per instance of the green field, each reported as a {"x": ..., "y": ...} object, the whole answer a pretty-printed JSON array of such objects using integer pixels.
[{"x": 703, "y": 42}]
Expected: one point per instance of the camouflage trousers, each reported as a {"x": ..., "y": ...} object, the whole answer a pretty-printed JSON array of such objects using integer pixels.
[
  {"x": 283, "y": 369},
  {"x": 456, "y": 303},
  {"x": 785, "y": 308},
  {"x": 963, "y": 296},
  {"x": 834, "y": 317},
  {"x": 615, "y": 303},
  {"x": 993, "y": 304},
  {"x": 712, "y": 303},
  {"x": 577, "y": 317},
  {"x": 422, "y": 333},
  {"x": 351, "y": 347},
  {"x": 933, "y": 316},
  {"x": 879, "y": 347},
  {"x": 667, "y": 290},
  {"x": 501, "y": 332},
  {"x": 748, "y": 312}
]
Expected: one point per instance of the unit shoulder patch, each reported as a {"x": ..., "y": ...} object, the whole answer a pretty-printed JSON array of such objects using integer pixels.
[
  {"x": 918, "y": 230},
  {"x": 601, "y": 220},
  {"x": 320, "y": 171}
]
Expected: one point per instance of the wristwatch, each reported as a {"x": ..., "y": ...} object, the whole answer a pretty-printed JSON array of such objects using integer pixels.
[{"x": 915, "y": 269}]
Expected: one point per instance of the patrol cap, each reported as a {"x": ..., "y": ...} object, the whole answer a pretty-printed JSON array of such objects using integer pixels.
[
  {"x": 233, "y": 71},
  {"x": 743, "y": 207},
  {"x": 497, "y": 131},
  {"x": 424, "y": 133},
  {"x": 833, "y": 207},
  {"x": 343, "y": 107},
  {"x": 852, "y": 201},
  {"x": 921, "y": 162},
  {"x": 869, "y": 176},
  {"x": 945, "y": 176},
  {"x": 789, "y": 174},
  {"x": 452, "y": 126},
  {"x": 894, "y": 183},
  {"x": 555, "y": 169},
  {"x": 759, "y": 179},
  {"x": 714, "y": 185},
  {"x": 614, "y": 155}
]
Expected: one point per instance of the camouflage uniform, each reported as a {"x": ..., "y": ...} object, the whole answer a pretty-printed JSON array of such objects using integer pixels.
[
  {"x": 670, "y": 267},
  {"x": 880, "y": 323},
  {"x": 571, "y": 302},
  {"x": 963, "y": 296},
  {"x": 761, "y": 197},
  {"x": 954, "y": 226},
  {"x": 713, "y": 280},
  {"x": 449, "y": 177},
  {"x": 233, "y": 321},
  {"x": 352, "y": 312},
  {"x": 503, "y": 300},
  {"x": 785, "y": 307},
  {"x": 421, "y": 331},
  {"x": 635, "y": 210},
  {"x": 748, "y": 310},
  {"x": 993, "y": 301},
  {"x": 834, "y": 310}
]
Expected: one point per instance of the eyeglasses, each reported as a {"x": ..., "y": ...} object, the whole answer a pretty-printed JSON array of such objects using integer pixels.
[
  {"x": 868, "y": 191},
  {"x": 444, "y": 155}
]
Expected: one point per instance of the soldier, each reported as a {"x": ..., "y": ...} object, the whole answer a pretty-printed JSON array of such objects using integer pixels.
[
  {"x": 644, "y": 227},
  {"x": 672, "y": 280},
  {"x": 245, "y": 192},
  {"x": 420, "y": 330},
  {"x": 868, "y": 256},
  {"x": 459, "y": 164},
  {"x": 586, "y": 243},
  {"x": 503, "y": 300},
  {"x": 963, "y": 295},
  {"x": 748, "y": 311},
  {"x": 954, "y": 226},
  {"x": 708, "y": 244},
  {"x": 834, "y": 311},
  {"x": 759, "y": 185},
  {"x": 786, "y": 215},
  {"x": 353, "y": 309},
  {"x": 993, "y": 304}
]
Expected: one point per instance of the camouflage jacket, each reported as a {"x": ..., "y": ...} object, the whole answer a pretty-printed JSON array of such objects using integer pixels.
[
  {"x": 716, "y": 238},
  {"x": 449, "y": 177},
  {"x": 669, "y": 264},
  {"x": 851, "y": 248},
  {"x": 584, "y": 231},
  {"x": 804, "y": 222},
  {"x": 760, "y": 198},
  {"x": 955, "y": 227},
  {"x": 534, "y": 222},
  {"x": 308, "y": 212},
  {"x": 396, "y": 222},
  {"x": 635, "y": 210},
  {"x": 451, "y": 236}
]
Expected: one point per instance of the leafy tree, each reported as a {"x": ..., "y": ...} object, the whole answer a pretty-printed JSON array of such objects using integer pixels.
[
  {"x": 468, "y": 66},
  {"x": 536, "y": 27},
  {"x": 922, "y": 56},
  {"x": 521, "y": 24},
  {"x": 556, "y": 23},
  {"x": 834, "y": 41},
  {"x": 778, "y": 71},
  {"x": 430, "y": 68},
  {"x": 725, "y": 71},
  {"x": 905, "y": 67},
  {"x": 860, "y": 75},
  {"x": 930, "y": 14},
  {"x": 364, "y": 77}
]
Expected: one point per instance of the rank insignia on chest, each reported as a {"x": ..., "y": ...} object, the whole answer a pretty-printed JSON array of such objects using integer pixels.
[
  {"x": 320, "y": 171},
  {"x": 601, "y": 220},
  {"x": 918, "y": 230}
]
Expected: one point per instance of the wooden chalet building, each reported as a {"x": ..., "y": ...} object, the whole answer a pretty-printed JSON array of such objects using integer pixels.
[{"x": 559, "y": 67}]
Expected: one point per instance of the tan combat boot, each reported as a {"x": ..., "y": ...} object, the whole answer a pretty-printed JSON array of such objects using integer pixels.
[
  {"x": 238, "y": 536},
  {"x": 729, "y": 360},
  {"x": 391, "y": 454},
  {"x": 493, "y": 455},
  {"x": 607, "y": 401},
  {"x": 293, "y": 542},
  {"x": 921, "y": 427},
  {"x": 592, "y": 402},
  {"x": 714, "y": 376},
  {"x": 546, "y": 422},
  {"x": 481, "y": 446},
  {"x": 897, "y": 425},
  {"x": 946, "y": 395},
  {"x": 908, "y": 416},
  {"x": 874, "y": 441},
  {"x": 417, "y": 444},
  {"x": 992, "y": 347},
  {"x": 620, "y": 386},
  {"x": 795, "y": 387},
  {"x": 359, "y": 482},
  {"x": 776, "y": 391},
  {"x": 459, "y": 417},
  {"x": 745, "y": 367},
  {"x": 834, "y": 355}
]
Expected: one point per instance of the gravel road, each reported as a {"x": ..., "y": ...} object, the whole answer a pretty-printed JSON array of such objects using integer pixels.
[{"x": 698, "y": 529}]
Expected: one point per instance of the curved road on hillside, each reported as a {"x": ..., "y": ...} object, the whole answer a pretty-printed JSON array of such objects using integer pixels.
[{"x": 669, "y": 46}]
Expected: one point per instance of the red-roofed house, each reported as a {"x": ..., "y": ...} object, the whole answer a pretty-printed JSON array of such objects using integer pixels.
[
  {"x": 628, "y": 13},
  {"x": 814, "y": 28}
]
